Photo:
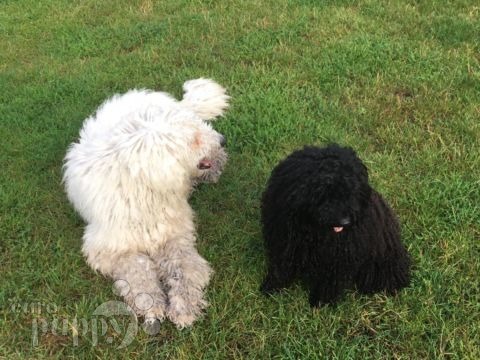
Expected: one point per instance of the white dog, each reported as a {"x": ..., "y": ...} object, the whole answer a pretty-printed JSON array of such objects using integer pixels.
[{"x": 130, "y": 176}]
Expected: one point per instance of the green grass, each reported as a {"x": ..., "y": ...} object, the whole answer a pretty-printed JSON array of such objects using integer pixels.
[{"x": 399, "y": 81}]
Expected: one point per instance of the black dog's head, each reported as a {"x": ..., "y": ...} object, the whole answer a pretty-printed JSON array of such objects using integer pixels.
[{"x": 323, "y": 187}]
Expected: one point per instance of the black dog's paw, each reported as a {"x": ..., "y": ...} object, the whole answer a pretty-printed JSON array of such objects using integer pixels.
[
  {"x": 269, "y": 287},
  {"x": 317, "y": 301},
  {"x": 314, "y": 302},
  {"x": 273, "y": 284}
]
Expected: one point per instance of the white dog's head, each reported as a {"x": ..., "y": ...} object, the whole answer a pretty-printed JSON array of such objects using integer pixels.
[
  {"x": 143, "y": 142},
  {"x": 182, "y": 150},
  {"x": 209, "y": 145},
  {"x": 171, "y": 144}
]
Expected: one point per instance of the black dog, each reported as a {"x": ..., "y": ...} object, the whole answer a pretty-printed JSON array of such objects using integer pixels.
[{"x": 323, "y": 223}]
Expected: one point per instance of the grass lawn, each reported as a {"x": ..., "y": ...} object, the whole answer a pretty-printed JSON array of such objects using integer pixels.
[{"x": 399, "y": 81}]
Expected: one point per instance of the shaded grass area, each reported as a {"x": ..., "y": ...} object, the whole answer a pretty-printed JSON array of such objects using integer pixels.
[{"x": 399, "y": 82}]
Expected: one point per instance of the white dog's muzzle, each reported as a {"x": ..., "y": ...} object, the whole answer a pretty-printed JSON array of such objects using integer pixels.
[{"x": 211, "y": 167}]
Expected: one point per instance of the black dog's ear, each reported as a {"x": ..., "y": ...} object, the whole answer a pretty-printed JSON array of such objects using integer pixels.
[
  {"x": 365, "y": 171},
  {"x": 366, "y": 191}
]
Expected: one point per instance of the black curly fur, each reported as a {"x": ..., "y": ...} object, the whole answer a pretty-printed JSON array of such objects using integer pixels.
[{"x": 309, "y": 193}]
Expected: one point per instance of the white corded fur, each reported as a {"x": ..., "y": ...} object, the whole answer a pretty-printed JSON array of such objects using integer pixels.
[{"x": 129, "y": 177}]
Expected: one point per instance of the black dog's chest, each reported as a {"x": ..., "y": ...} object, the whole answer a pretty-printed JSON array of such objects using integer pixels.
[{"x": 329, "y": 250}]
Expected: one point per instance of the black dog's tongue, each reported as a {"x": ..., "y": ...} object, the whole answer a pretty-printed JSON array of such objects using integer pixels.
[{"x": 337, "y": 229}]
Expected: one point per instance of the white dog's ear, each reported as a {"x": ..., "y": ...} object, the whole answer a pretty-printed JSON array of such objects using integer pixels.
[
  {"x": 205, "y": 97},
  {"x": 151, "y": 159}
]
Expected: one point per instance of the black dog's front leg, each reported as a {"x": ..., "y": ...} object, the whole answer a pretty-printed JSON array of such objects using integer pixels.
[
  {"x": 281, "y": 268},
  {"x": 279, "y": 276},
  {"x": 281, "y": 255},
  {"x": 324, "y": 292}
]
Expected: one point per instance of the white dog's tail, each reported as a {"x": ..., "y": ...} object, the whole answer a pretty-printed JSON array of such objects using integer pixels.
[{"x": 205, "y": 97}]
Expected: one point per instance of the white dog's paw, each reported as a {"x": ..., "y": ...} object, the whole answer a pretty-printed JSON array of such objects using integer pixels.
[
  {"x": 182, "y": 320},
  {"x": 156, "y": 312},
  {"x": 151, "y": 325},
  {"x": 182, "y": 313},
  {"x": 154, "y": 316},
  {"x": 148, "y": 306}
]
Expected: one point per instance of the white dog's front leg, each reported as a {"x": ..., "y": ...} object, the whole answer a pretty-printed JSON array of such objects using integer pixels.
[
  {"x": 137, "y": 281},
  {"x": 186, "y": 274}
]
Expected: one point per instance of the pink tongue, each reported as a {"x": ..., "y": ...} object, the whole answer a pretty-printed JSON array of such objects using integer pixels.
[{"x": 338, "y": 229}]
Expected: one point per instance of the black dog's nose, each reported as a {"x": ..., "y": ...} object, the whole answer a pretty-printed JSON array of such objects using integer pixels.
[
  {"x": 345, "y": 221},
  {"x": 223, "y": 140}
]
